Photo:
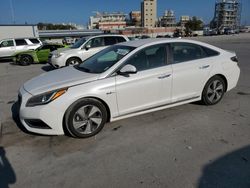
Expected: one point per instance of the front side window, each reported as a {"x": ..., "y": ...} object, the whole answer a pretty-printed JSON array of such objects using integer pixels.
[
  {"x": 149, "y": 58},
  {"x": 104, "y": 59},
  {"x": 7, "y": 43},
  {"x": 186, "y": 52},
  {"x": 96, "y": 42},
  {"x": 79, "y": 43}
]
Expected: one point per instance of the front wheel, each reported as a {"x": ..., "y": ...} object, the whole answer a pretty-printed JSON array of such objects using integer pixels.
[
  {"x": 85, "y": 118},
  {"x": 73, "y": 61},
  {"x": 213, "y": 91}
]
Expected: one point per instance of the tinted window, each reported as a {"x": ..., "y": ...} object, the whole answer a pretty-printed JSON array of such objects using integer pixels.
[
  {"x": 104, "y": 59},
  {"x": 45, "y": 47},
  {"x": 149, "y": 58},
  {"x": 96, "y": 42},
  {"x": 7, "y": 43},
  {"x": 20, "y": 42},
  {"x": 34, "y": 41},
  {"x": 209, "y": 52},
  {"x": 110, "y": 40},
  {"x": 120, "y": 39},
  {"x": 79, "y": 43},
  {"x": 186, "y": 52}
]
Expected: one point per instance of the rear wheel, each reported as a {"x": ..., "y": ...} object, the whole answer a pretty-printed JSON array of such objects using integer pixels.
[
  {"x": 85, "y": 118},
  {"x": 26, "y": 60},
  {"x": 73, "y": 61},
  {"x": 213, "y": 91}
]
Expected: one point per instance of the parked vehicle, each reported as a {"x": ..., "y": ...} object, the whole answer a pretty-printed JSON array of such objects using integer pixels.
[
  {"x": 83, "y": 49},
  {"x": 8, "y": 47},
  {"x": 41, "y": 54},
  {"x": 125, "y": 80}
]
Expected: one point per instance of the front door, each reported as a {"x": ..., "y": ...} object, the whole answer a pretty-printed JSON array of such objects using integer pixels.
[
  {"x": 7, "y": 48},
  {"x": 150, "y": 86}
]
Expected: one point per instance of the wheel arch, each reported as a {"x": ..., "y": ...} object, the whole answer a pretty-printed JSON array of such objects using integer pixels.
[
  {"x": 76, "y": 57},
  {"x": 66, "y": 132},
  {"x": 220, "y": 75}
]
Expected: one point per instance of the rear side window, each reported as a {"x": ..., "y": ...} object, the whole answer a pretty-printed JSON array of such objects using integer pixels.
[
  {"x": 209, "y": 52},
  {"x": 20, "y": 42},
  {"x": 186, "y": 52},
  {"x": 34, "y": 41},
  {"x": 120, "y": 39},
  {"x": 7, "y": 43},
  {"x": 110, "y": 41}
]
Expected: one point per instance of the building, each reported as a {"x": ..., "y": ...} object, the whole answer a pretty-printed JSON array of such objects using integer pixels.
[
  {"x": 149, "y": 13},
  {"x": 184, "y": 20},
  {"x": 108, "y": 21},
  {"x": 227, "y": 15},
  {"x": 168, "y": 19},
  {"x": 18, "y": 31},
  {"x": 135, "y": 18}
]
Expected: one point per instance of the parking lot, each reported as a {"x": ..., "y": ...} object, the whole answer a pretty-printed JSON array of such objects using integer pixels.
[{"x": 186, "y": 146}]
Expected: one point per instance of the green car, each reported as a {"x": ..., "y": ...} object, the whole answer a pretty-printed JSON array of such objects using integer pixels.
[{"x": 38, "y": 55}]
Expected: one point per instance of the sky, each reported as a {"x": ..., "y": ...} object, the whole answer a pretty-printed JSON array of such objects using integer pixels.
[{"x": 78, "y": 11}]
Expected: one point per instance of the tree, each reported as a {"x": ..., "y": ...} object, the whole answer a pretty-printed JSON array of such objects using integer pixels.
[{"x": 193, "y": 25}]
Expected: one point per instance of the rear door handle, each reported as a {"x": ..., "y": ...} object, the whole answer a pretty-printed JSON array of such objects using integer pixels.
[
  {"x": 204, "y": 66},
  {"x": 164, "y": 76}
]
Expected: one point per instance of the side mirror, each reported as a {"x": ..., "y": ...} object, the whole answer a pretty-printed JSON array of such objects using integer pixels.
[
  {"x": 87, "y": 47},
  {"x": 127, "y": 69}
]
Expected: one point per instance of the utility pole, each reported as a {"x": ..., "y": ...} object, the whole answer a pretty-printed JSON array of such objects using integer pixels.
[{"x": 12, "y": 12}]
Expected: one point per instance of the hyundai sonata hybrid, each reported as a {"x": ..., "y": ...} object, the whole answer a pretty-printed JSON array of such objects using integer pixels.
[{"x": 125, "y": 80}]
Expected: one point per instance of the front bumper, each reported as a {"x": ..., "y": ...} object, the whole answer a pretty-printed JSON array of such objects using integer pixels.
[
  {"x": 56, "y": 62},
  {"x": 48, "y": 114}
]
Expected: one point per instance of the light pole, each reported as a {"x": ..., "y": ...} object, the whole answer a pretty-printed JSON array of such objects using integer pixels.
[{"x": 12, "y": 12}]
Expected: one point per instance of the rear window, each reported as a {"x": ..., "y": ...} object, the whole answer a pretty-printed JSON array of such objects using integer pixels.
[
  {"x": 34, "y": 41},
  {"x": 120, "y": 39},
  {"x": 209, "y": 52},
  {"x": 20, "y": 42}
]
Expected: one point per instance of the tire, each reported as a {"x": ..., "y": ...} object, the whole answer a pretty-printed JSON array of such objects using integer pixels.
[
  {"x": 85, "y": 118},
  {"x": 213, "y": 91},
  {"x": 73, "y": 61},
  {"x": 26, "y": 60}
]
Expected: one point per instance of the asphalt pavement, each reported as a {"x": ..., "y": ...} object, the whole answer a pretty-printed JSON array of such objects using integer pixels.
[{"x": 182, "y": 147}]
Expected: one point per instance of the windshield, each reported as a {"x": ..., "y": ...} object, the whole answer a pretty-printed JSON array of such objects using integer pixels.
[
  {"x": 105, "y": 59},
  {"x": 79, "y": 43}
]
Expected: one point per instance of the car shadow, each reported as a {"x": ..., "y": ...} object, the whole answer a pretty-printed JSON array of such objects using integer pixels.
[
  {"x": 7, "y": 173},
  {"x": 5, "y": 60},
  {"x": 47, "y": 68},
  {"x": 229, "y": 171}
]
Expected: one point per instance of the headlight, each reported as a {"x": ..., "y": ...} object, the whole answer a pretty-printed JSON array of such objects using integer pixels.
[
  {"x": 58, "y": 55},
  {"x": 45, "y": 98}
]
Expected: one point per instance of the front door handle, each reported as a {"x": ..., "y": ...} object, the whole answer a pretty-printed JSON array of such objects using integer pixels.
[
  {"x": 204, "y": 66},
  {"x": 164, "y": 76}
]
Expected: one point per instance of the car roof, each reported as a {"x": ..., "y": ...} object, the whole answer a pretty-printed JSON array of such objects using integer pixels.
[
  {"x": 145, "y": 42},
  {"x": 105, "y": 35}
]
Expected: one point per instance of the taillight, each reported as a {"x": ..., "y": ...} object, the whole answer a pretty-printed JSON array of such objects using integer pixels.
[{"x": 235, "y": 59}]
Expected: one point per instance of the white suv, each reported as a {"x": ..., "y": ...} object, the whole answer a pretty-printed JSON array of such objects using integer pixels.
[
  {"x": 8, "y": 47},
  {"x": 83, "y": 49}
]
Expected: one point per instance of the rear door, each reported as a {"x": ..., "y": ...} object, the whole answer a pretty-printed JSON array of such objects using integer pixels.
[
  {"x": 190, "y": 70},
  {"x": 7, "y": 48},
  {"x": 21, "y": 45}
]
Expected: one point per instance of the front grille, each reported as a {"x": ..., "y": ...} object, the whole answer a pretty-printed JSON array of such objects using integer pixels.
[{"x": 36, "y": 123}]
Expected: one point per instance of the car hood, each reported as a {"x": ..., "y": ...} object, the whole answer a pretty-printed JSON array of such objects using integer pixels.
[
  {"x": 57, "y": 79},
  {"x": 64, "y": 50}
]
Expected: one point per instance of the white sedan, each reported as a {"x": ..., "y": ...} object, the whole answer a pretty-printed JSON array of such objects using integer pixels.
[{"x": 125, "y": 80}]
